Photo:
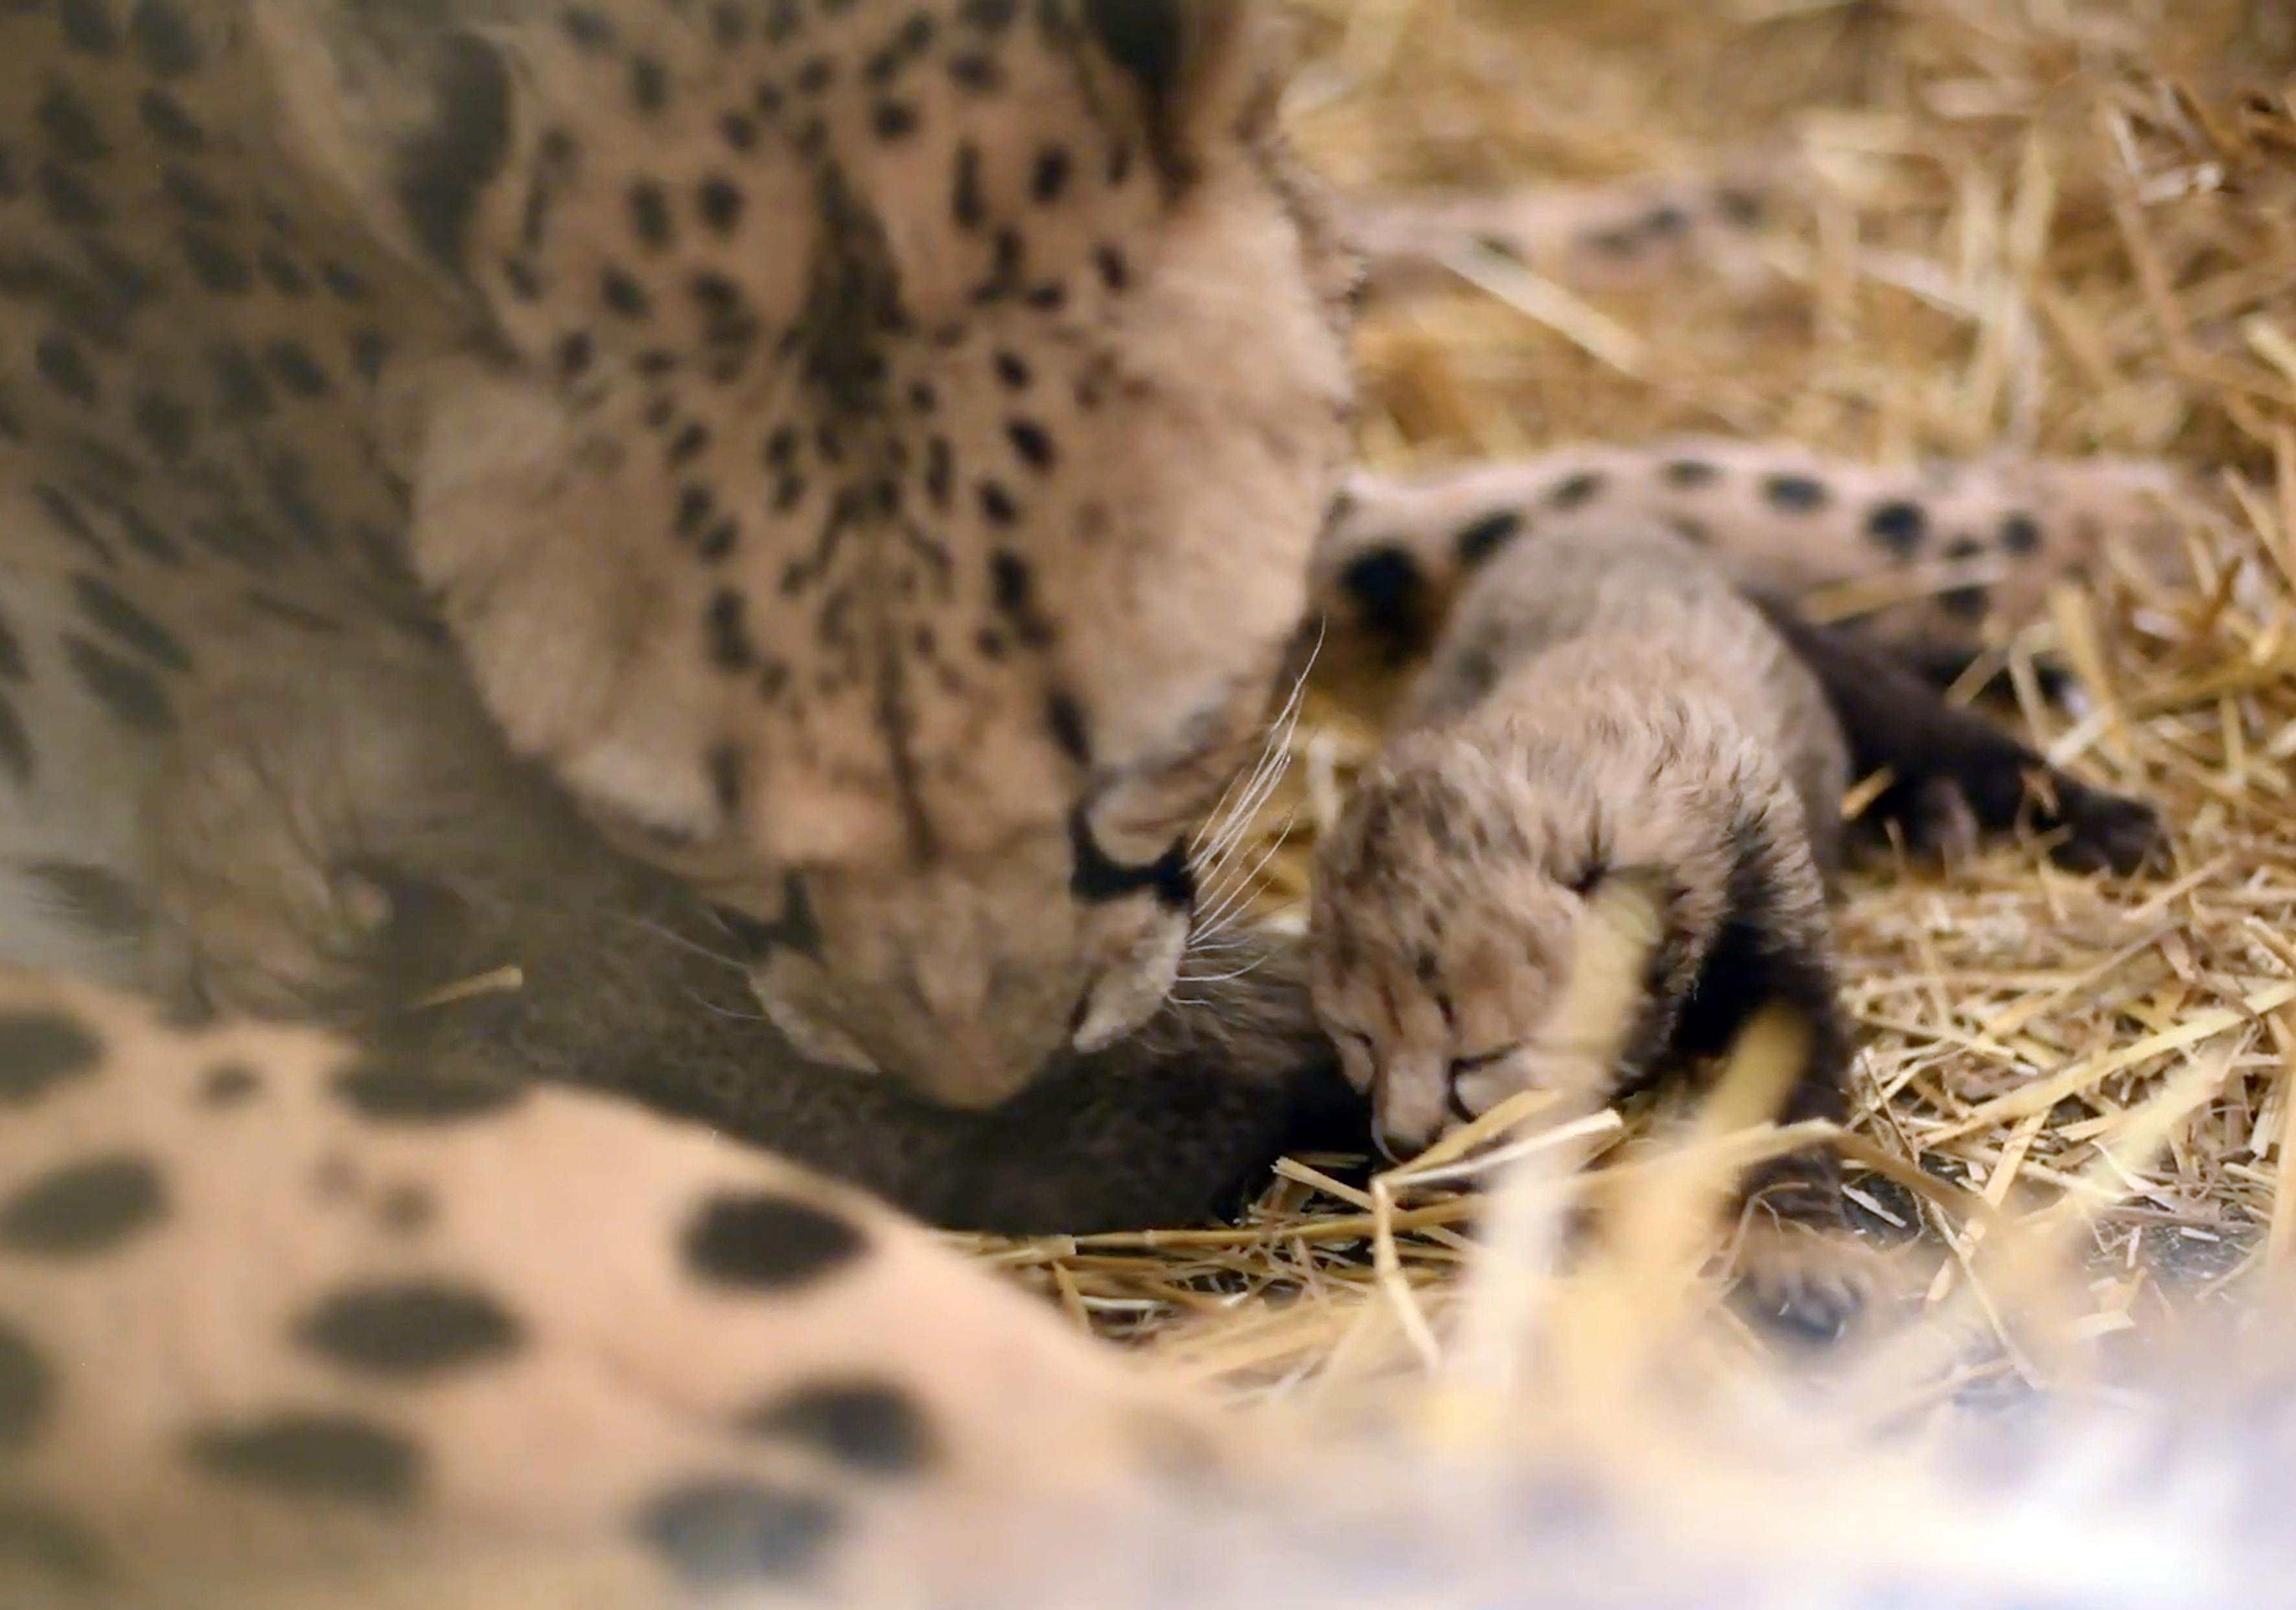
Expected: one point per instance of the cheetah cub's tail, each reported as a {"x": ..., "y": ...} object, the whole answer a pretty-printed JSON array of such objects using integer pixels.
[{"x": 1936, "y": 563}]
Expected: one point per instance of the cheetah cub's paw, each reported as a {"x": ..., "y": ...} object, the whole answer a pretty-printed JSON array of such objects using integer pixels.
[{"x": 1809, "y": 1280}]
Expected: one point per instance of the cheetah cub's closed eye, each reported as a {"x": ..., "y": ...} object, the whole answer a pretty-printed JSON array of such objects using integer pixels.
[{"x": 1607, "y": 732}]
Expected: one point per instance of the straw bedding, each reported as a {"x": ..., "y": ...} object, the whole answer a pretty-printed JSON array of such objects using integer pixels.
[{"x": 2032, "y": 225}]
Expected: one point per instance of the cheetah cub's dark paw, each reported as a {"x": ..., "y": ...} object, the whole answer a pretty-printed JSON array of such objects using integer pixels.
[
  {"x": 2092, "y": 829},
  {"x": 2102, "y": 830},
  {"x": 1803, "y": 1280}
]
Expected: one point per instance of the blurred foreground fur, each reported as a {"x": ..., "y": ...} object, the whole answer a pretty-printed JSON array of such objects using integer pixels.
[{"x": 1592, "y": 1438}]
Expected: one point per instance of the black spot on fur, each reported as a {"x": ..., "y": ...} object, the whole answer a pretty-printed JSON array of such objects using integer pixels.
[
  {"x": 871, "y": 1427},
  {"x": 392, "y": 1094},
  {"x": 1391, "y": 596},
  {"x": 406, "y": 1209},
  {"x": 60, "y": 363},
  {"x": 720, "y": 202},
  {"x": 70, "y": 125},
  {"x": 1899, "y": 526},
  {"x": 214, "y": 262},
  {"x": 283, "y": 273},
  {"x": 588, "y": 29},
  {"x": 720, "y": 1533},
  {"x": 164, "y": 119},
  {"x": 164, "y": 423},
  {"x": 1050, "y": 174},
  {"x": 1114, "y": 269},
  {"x": 242, "y": 393},
  {"x": 92, "y": 899},
  {"x": 106, "y": 607},
  {"x": 1064, "y": 718},
  {"x": 87, "y": 26},
  {"x": 1795, "y": 494},
  {"x": 46, "y": 1538},
  {"x": 1689, "y": 474},
  {"x": 650, "y": 220},
  {"x": 232, "y": 1084},
  {"x": 411, "y": 1330},
  {"x": 165, "y": 41},
  {"x": 26, "y": 1391},
  {"x": 40, "y": 1051},
  {"x": 130, "y": 692},
  {"x": 727, "y": 632},
  {"x": 763, "y": 1242},
  {"x": 442, "y": 171},
  {"x": 623, "y": 294},
  {"x": 1487, "y": 536},
  {"x": 649, "y": 84},
  {"x": 71, "y": 202},
  {"x": 1576, "y": 491},
  {"x": 314, "y": 1458},
  {"x": 16, "y": 755},
  {"x": 84, "y": 1208},
  {"x": 1032, "y": 443},
  {"x": 2020, "y": 534}
]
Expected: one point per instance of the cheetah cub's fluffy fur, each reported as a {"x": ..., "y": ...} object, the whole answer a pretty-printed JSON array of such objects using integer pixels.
[{"x": 1607, "y": 732}]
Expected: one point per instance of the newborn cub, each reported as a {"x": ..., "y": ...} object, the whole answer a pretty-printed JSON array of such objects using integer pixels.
[{"x": 1610, "y": 747}]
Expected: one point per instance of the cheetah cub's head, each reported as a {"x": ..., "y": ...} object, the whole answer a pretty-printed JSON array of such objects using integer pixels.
[
  {"x": 1475, "y": 931},
  {"x": 880, "y": 473}
]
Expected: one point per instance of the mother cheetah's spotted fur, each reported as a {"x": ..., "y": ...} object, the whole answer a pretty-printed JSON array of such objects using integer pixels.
[{"x": 878, "y": 443}]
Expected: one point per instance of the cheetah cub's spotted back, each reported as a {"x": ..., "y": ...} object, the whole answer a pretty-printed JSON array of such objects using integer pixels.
[{"x": 1608, "y": 733}]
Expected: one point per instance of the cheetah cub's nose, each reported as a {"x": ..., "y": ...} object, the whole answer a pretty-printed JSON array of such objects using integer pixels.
[{"x": 1408, "y": 1109}]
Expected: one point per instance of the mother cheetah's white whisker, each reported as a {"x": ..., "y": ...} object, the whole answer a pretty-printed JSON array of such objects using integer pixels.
[
  {"x": 1245, "y": 971},
  {"x": 691, "y": 947},
  {"x": 728, "y": 1012},
  {"x": 1232, "y": 817},
  {"x": 1232, "y": 897}
]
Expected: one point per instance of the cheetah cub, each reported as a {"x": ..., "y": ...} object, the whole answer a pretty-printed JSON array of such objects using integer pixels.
[{"x": 1610, "y": 749}]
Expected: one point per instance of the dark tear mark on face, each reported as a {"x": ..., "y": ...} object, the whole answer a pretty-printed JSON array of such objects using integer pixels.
[
  {"x": 796, "y": 929},
  {"x": 1096, "y": 879}
]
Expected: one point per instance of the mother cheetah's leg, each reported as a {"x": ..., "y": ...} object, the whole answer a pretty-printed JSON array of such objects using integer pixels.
[
  {"x": 349, "y": 845},
  {"x": 264, "y": 1305}
]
